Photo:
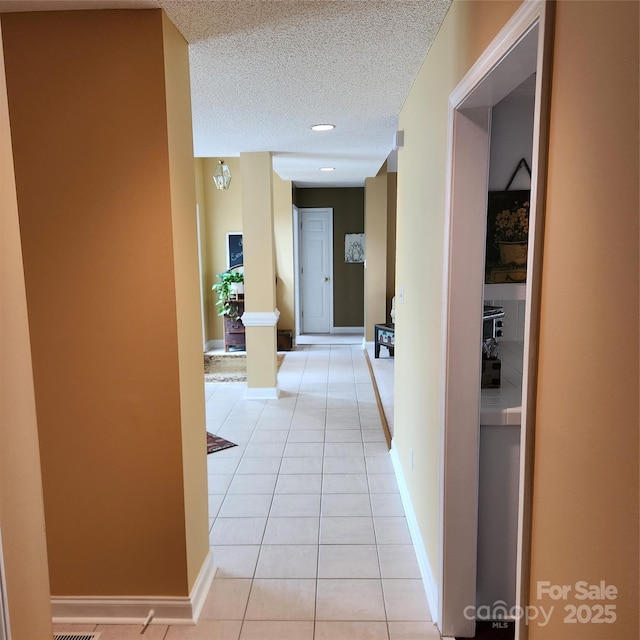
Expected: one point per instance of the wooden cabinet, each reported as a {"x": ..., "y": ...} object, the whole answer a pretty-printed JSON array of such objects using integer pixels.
[{"x": 234, "y": 339}]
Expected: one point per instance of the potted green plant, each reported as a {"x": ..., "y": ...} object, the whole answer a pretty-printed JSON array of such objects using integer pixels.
[{"x": 231, "y": 283}]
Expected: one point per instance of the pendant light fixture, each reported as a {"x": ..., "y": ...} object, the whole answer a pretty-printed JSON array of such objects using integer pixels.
[{"x": 222, "y": 176}]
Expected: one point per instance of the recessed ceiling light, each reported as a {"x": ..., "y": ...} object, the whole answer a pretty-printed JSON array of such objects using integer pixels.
[
  {"x": 327, "y": 168},
  {"x": 323, "y": 127}
]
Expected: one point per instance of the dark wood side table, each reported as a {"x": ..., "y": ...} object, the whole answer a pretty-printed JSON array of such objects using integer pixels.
[
  {"x": 234, "y": 339},
  {"x": 384, "y": 337}
]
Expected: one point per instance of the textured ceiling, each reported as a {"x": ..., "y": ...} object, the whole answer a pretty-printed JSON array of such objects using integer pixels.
[{"x": 264, "y": 71}]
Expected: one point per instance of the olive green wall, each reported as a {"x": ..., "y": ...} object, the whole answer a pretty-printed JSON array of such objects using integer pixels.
[{"x": 348, "y": 279}]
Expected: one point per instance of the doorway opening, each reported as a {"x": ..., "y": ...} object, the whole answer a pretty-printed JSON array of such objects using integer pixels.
[{"x": 521, "y": 49}]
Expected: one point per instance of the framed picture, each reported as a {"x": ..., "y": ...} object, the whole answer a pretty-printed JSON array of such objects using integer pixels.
[
  {"x": 507, "y": 236},
  {"x": 354, "y": 247},
  {"x": 235, "y": 255}
]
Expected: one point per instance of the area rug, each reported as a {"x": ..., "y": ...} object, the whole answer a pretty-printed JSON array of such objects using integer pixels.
[
  {"x": 216, "y": 443},
  {"x": 228, "y": 367}
]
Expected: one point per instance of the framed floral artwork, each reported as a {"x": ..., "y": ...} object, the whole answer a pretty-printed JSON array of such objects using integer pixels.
[{"x": 507, "y": 236}]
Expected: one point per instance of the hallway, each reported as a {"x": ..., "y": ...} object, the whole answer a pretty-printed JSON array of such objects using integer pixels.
[{"x": 306, "y": 522}]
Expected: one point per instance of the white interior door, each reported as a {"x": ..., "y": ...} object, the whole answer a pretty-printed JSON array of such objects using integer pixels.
[{"x": 315, "y": 277}]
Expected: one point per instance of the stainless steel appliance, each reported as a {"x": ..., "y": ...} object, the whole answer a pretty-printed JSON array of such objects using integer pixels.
[{"x": 492, "y": 330}]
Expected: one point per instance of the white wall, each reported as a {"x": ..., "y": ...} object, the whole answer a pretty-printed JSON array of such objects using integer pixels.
[{"x": 511, "y": 140}]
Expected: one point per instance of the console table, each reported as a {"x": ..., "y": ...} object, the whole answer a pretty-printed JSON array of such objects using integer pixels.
[{"x": 384, "y": 337}]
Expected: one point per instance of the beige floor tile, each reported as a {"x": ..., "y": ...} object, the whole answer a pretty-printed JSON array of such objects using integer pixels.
[
  {"x": 235, "y": 561},
  {"x": 340, "y": 449},
  {"x": 343, "y": 435},
  {"x": 344, "y": 464},
  {"x": 222, "y": 465},
  {"x": 386, "y": 504},
  {"x": 391, "y": 530},
  {"x": 326, "y": 630},
  {"x": 299, "y": 483},
  {"x": 258, "y": 465},
  {"x": 346, "y": 530},
  {"x": 304, "y": 449},
  {"x": 295, "y": 505},
  {"x": 131, "y": 631},
  {"x": 214, "y": 503},
  {"x": 267, "y": 450},
  {"x": 253, "y": 483},
  {"x": 288, "y": 561},
  {"x": 245, "y": 506},
  {"x": 219, "y": 482},
  {"x": 373, "y": 435},
  {"x": 306, "y": 435},
  {"x": 301, "y": 465},
  {"x": 344, "y": 483},
  {"x": 379, "y": 464},
  {"x": 281, "y": 630},
  {"x": 281, "y": 600},
  {"x": 346, "y": 504},
  {"x": 405, "y": 600},
  {"x": 398, "y": 561},
  {"x": 227, "y": 599},
  {"x": 291, "y": 531},
  {"x": 376, "y": 449},
  {"x": 353, "y": 600},
  {"x": 206, "y": 630},
  {"x": 269, "y": 435},
  {"x": 348, "y": 561},
  {"x": 382, "y": 483},
  {"x": 237, "y": 531},
  {"x": 413, "y": 631}
]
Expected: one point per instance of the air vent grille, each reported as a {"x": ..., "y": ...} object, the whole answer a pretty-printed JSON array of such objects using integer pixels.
[{"x": 77, "y": 636}]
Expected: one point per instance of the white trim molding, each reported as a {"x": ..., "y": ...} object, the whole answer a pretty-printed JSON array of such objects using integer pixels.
[
  {"x": 213, "y": 345},
  {"x": 136, "y": 609},
  {"x": 355, "y": 330},
  {"x": 262, "y": 393},
  {"x": 428, "y": 580},
  {"x": 260, "y": 318}
]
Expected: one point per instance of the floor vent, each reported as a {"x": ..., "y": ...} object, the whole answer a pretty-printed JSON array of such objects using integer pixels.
[{"x": 77, "y": 636}]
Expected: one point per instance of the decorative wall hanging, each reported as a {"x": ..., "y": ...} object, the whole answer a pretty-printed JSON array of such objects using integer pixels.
[
  {"x": 507, "y": 233},
  {"x": 235, "y": 251},
  {"x": 354, "y": 247}
]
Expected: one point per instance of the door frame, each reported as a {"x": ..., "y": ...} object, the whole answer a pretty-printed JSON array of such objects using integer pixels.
[
  {"x": 297, "y": 249},
  {"x": 522, "y": 47}
]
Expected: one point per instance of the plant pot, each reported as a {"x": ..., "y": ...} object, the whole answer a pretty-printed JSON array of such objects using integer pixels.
[
  {"x": 513, "y": 252},
  {"x": 237, "y": 288}
]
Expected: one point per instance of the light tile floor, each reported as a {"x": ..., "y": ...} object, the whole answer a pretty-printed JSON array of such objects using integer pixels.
[{"x": 306, "y": 523}]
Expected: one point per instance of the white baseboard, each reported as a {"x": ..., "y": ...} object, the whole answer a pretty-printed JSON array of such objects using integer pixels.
[
  {"x": 262, "y": 393},
  {"x": 347, "y": 330},
  {"x": 135, "y": 610},
  {"x": 214, "y": 345},
  {"x": 429, "y": 582}
]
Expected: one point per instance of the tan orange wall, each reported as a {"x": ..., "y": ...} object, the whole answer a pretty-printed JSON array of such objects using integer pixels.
[
  {"x": 585, "y": 510},
  {"x": 93, "y": 167},
  {"x": 21, "y": 504}
]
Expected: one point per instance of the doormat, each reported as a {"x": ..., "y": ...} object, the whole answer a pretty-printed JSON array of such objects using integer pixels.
[
  {"x": 216, "y": 443},
  {"x": 229, "y": 367}
]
